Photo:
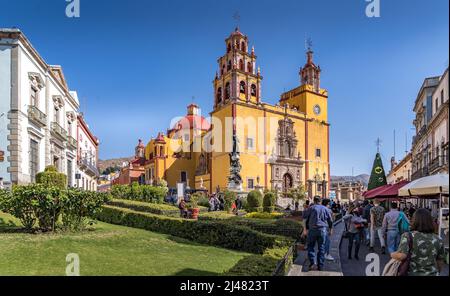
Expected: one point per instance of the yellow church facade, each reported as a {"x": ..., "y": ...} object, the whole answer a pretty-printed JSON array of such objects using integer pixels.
[{"x": 281, "y": 146}]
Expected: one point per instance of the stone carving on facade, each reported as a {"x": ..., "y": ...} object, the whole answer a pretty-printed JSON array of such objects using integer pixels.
[{"x": 286, "y": 162}]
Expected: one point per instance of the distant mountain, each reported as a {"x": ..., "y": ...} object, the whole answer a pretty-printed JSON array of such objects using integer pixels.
[
  {"x": 114, "y": 162},
  {"x": 363, "y": 178}
]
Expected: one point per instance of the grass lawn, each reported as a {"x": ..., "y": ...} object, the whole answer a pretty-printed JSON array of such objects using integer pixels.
[{"x": 108, "y": 250}]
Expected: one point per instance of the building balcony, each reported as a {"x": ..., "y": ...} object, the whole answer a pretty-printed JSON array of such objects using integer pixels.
[
  {"x": 423, "y": 172},
  {"x": 88, "y": 166},
  {"x": 37, "y": 116},
  {"x": 72, "y": 143},
  {"x": 59, "y": 131}
]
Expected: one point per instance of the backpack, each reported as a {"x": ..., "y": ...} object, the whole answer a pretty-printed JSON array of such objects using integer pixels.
[{"x": 403, "y": 224}]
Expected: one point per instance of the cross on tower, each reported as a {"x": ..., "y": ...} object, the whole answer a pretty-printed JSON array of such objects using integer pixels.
[
  {"x": 308, "y": 43},
  {"x": 237, "y": 18},
  {"x": 378, "y": 144}
]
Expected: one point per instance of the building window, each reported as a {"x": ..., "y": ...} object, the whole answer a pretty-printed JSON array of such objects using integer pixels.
[
  {"x": 227, "y": 91},
  {"x": 186, "y": 137},
  {"x": 442, "y": 96},
  {"x": 250, "y": 183},
  {"x": 219, "y": 95},
  {"x": 229, "y": 47},
  {"x": 253, "y": 90},
  {"x": 69, "y": 128},
  {"x": 183, "y": 177},
  {"x": 34, "y": 160},
  {"x": 229, "y": 66},
  {"x": 437, "y": 104},
  {"x": 243, "y": 47},
  {"x": 318, "y": 152},
  {"x": 250, "y": 144},
  {"x": 250, "y": 67},
  {"x": 56, "y": 162},
  {"x": 241, "y": 65},
  {"x": 242, "y": 89}
]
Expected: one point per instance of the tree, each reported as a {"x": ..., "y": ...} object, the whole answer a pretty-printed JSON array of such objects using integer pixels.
[{"x": 378, "y": 175}]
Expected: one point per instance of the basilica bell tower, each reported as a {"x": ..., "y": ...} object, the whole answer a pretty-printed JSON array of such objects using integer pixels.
[{"x": 237, "y": 77}]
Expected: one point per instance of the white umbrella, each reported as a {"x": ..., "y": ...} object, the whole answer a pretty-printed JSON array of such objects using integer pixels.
[{"x": 431, "y": 185}]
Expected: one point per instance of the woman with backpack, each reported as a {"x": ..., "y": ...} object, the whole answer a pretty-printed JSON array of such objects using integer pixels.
[
  {"x": 422, "y": 249},
  {"x": 354, "y": 227}
]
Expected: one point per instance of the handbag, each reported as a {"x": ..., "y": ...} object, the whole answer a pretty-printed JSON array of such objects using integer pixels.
[
  {"x": 404, "y": 266},
  {"x": 391, "y": 268}
]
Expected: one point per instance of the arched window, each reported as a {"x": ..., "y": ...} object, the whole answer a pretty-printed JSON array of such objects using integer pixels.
[
  {"x": 228, "y": 47},
  {"x": 253, "y": 90},
  {"x": 227, "y": 91},
  {"x": 229, "y": 66},
  {"x": 241, "y": 65},
  {"x": 250, "y": 67},
  {"x": 243, "y": 47},
  {"x": 222, "y": 71},
  {"x": 219, "y": 95},
  {"x": 242, "y": 88}
]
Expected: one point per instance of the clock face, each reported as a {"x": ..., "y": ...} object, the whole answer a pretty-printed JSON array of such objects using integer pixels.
[{"x": 317, "y": 109}]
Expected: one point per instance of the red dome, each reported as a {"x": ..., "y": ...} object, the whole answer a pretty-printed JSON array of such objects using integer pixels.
[{"x": 192, "y": 121}]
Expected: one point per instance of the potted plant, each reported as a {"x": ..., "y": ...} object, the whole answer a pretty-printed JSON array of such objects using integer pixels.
[{"x": 193, "y": 207}]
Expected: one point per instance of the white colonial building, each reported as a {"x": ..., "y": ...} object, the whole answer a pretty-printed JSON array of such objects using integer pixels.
[
  {"x": 87, "y": 175},
  {"x": 38, "y": 114},
  {"x": 430, "y": 153}
]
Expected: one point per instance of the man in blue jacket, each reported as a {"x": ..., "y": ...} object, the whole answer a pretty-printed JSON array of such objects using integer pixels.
[{"x": 318, "y": 225}]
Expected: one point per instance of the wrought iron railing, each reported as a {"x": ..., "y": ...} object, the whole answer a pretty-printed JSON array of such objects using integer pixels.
[
  {"x": 89, "y": 165},
  {"x": 284, "y": 265},
  {"x": 37, "y": 116}
]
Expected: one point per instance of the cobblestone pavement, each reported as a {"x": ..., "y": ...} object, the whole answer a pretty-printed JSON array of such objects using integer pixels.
[{"x": 358, "y": 267}]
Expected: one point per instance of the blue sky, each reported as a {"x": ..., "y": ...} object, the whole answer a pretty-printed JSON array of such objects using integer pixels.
[{"x": 136, "y": 64}]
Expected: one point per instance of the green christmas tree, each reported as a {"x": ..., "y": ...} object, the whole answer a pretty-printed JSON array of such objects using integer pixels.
[{"x": 378, "y": 176}]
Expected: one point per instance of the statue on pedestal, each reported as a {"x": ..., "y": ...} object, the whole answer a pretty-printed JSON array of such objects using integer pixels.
[{"x": 235, "y": 179}]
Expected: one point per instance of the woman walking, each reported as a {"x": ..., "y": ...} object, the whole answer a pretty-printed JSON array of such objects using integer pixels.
[{"x": 427, "y": 252}]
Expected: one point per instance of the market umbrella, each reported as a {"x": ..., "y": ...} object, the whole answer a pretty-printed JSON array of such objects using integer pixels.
[{"x": 431, "y": 185}]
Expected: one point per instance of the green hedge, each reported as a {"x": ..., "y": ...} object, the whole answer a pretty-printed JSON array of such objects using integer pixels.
[
  {"x": 259, "y": 265},
  {"x": 158, "y": 209},
  {"x": 147, "y": 193},
  {"x": 284, "y": 227},
  {"x": 214, "y": 233}
]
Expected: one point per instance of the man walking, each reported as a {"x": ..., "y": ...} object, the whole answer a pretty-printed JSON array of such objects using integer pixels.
[
  {"x": 376, "y": 226},
  {"x": 318, "y": 225},
  {"x": 366, "y": 215},
  {"x": 390, "y": 225}
]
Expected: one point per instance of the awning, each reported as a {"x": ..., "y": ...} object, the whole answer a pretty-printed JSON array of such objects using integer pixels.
[
  {"x": 386, "y": 191},
  {"x": 427, "y": 186}
]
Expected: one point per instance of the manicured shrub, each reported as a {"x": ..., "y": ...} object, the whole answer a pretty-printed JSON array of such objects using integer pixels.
[
  {"x": 79, "y": 206},
  {"x": 269, "y": 201},
  {"x": 120, "y": 191},
  {"x": 51, "y": 177},
  {"x": 46, "y": 204},
  {"x": 229, "y": 198},
  {"x": 255, "y": 201},
  {"x": 213, "y": 233}
]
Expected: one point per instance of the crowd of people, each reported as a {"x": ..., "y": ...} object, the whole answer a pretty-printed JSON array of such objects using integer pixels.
[{"x": 400, "y": 231}]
